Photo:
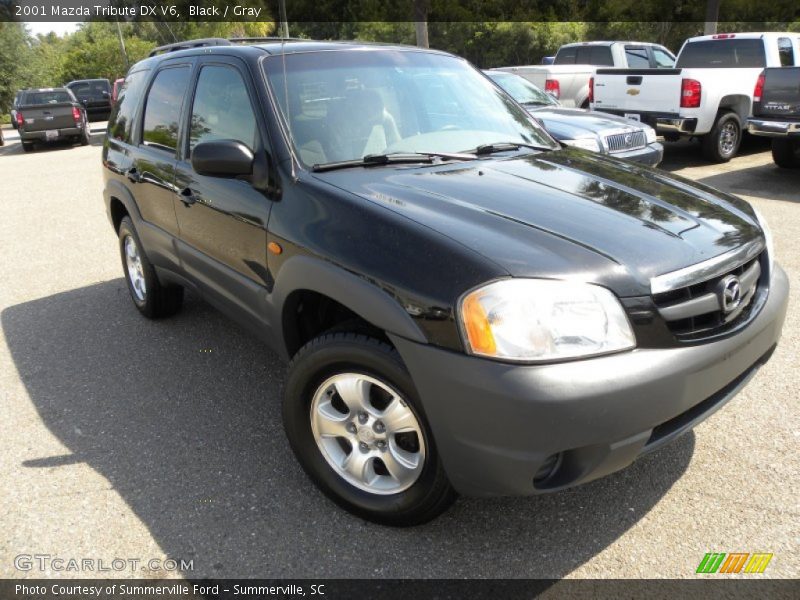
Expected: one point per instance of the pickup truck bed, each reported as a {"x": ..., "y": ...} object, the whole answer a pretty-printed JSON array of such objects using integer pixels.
[
  {"x": 49, "y": 115},
  {"x": 776, "y": 114}
]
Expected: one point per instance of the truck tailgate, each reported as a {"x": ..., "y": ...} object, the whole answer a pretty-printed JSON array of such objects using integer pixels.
[
  {"x": 780, "y": 97},
  {"x": 635, "y": 91},
  {"x": 47, "y": 116}
]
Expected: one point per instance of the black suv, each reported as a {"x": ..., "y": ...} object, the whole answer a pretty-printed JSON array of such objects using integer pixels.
[
  {"x": 95, "y": 95},
  {"x": 466, "y": 305}
]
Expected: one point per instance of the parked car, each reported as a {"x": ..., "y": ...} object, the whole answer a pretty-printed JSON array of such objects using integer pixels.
[
  {"x": 14, "y": 109},
  {"x": 49, "y": 115},
  {"x": 575, "y": 64},
  {"x": 466, "y": 305},
  {"x": 776, "y": 114},
  {"x": 708, "y": 95},
  {"x": 95, "y": 95},
  {"x": 2, "y": 138},
  {"x": 116, "y": 88},
  {"x": 591, "y": 130}
]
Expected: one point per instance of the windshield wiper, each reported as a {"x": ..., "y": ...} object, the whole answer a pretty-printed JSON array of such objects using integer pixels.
[
  {"x": 485, "y": 149},
  {"x": 392, "y": 158}
]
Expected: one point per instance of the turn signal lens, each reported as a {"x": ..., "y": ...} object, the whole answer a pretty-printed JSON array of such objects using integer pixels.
[
  {"x": 476, "y": 324},
  {"x": 691, "y": 93}
]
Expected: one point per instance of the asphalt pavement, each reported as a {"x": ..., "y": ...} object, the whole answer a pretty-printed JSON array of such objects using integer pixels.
[{"x": 125, "y": 438}]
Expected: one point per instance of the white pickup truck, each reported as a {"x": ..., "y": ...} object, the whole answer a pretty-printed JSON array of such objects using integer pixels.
[
  {"x": 567, "y": 79},
  {"x": 709, "y": 93}
]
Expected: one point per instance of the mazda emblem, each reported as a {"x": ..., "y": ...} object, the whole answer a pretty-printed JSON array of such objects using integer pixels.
[{"x": 730, "y": 293}]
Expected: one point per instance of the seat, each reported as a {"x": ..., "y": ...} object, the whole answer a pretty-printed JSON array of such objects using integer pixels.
[{"x": 360, "y": 125}]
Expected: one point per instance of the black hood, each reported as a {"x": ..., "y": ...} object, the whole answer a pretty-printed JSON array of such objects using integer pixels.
[{"x": 564, "y": 214}]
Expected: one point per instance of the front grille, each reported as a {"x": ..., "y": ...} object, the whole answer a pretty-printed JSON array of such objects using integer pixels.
[
  {"x": 621, "y": 142},
  {"x": 696, "y": 311}
]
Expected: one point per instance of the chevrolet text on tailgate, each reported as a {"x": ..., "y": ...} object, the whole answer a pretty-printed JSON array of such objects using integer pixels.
[
  {"x": 466, "y": 306},
  {"x": 708, "y": 95}
]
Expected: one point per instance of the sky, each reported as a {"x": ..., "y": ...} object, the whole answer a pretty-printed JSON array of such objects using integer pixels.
[{"x": 59, "y": 28}]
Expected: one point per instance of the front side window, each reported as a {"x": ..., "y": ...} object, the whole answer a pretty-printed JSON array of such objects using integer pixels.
[
  {"x": 222, "y": 108},
  {"x": 163, "y": 107},
  {"x": 664, "y": 60},
  {"x": 344, "y": 105}
]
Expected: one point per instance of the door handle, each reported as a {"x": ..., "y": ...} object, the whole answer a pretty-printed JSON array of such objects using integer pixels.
[
  {"x": 187, "y": 196},
  {"x": 133, "y": 175}
]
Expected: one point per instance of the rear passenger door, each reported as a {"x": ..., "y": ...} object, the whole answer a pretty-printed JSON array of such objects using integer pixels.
[
  {"x": 153, "y": 170},
  {"x": 223, "y": 220}
]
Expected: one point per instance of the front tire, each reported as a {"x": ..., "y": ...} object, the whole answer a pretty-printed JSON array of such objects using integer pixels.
[
  {"x": 153, "y": 299},
  {"x": 355, "y": 423},
  {"x": 786, "y": 153},
  {"x": 722, "y": 143}
]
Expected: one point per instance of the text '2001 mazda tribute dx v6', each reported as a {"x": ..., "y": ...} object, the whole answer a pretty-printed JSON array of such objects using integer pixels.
[{"x": 467, "y": 306}]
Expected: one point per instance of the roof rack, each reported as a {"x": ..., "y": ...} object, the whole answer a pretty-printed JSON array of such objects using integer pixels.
[
  {"x": 248, "y": 40},
  {"x": 200, "y": 43},
  {"x": 190, "y": 44}
]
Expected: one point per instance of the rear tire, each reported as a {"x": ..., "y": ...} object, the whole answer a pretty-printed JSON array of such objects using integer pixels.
[
  {"x": 153, "y": 299},
  {"x": 85, "y": 136},
  {"x": 27, "y": 146},
  {"x": 722, "y": 143},
  {"x": 786, "y": 153},
  {"x": 672, "y": 137},
  {"x": 345, "y": 395}
]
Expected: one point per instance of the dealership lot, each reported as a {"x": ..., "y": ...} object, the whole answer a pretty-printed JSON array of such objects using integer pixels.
[{"x": 141, "y": 440}]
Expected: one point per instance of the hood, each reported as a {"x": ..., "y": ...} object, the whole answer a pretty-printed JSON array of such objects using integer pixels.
[
  {"x": 564, "y": 214},
  {"x": 574, "y": 123}
]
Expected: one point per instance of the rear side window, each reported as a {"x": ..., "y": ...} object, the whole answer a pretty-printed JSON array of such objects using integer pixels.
[
  {"x": 599, "y": 56},
  {"x": 637, "y": 58},
  {"x": 120, "y": 124},
  {"x": 566, "y": 56},
  {"x": 786, "y": 52},
  {"x": 163, "y": 108},
  {"x": 720, "y": 54},
  {"x": 222, "y": 108}
]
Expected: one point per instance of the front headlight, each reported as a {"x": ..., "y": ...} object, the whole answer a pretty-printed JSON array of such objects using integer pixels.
[
  {"x": 649, "y": 135},
  {"x": 543, "y": 319},
  {"x": 767, "y": 237},
  {"x": 585, "y": 143}
]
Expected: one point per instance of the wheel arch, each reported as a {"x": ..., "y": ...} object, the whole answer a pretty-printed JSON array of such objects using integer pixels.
[
  {"x": 120, "y": 202},
  {"x": 738, "y": 103},
  {"x": 304, "y": 278}
]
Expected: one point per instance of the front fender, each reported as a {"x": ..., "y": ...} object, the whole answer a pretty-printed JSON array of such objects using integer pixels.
[{"x": 358, "y": 294}]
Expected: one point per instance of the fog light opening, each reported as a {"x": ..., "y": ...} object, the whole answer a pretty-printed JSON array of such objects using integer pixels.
[{"x": 548, "y": 468}]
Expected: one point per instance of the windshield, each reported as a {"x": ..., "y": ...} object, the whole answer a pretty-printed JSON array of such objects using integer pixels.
[
  {"x": 521, "y": 90},
  {"x": 345, "y": 105}
]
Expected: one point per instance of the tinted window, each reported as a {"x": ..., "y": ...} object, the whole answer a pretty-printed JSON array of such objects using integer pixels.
[
  {"x": 163, "y": 107},
  {"x": 786, "y": 52},
  {"x": 566, "y": 56},
  {"x": 222, "y": 108},
  {"x": 54, "y": 97},
  {"x": 120, "y": 124},
  {"x": 637, "y": 58},
  {"x": 663, "y": 59},
  {"x": 594, "y": 55},
  {"x": 718, "y": 54}
]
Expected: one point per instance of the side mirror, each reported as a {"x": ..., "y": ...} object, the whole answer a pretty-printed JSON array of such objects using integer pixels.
[
  {"x": 223, "y": 158},
  {"x": 85, "y": 101},
  {"x": 105, "y": 94}
]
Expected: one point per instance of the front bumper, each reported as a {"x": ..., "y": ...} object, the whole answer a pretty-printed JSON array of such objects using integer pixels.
[
  {"x": 496, "y": 424},
  {"x": 769, "y": 128},
  {"x": 651, "y": 155}
]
